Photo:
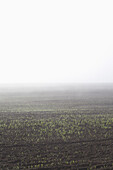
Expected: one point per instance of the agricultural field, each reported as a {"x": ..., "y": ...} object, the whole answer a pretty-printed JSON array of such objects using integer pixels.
[{"x": 57, "y": 129}]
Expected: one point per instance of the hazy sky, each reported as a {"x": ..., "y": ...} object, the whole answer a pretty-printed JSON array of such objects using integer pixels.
[{"x": 56, "y": 41}]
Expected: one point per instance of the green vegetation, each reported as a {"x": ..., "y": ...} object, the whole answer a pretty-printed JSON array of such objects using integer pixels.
[{"x": 34, "y": 142}]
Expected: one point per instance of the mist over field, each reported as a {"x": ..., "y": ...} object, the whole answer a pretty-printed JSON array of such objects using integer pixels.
[
  {"x": 56, "y": 97},
  {"x": 55, "y": 86}
]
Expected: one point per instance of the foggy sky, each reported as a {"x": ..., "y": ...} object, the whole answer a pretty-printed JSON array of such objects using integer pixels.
[{"x": 56, "y": 41}]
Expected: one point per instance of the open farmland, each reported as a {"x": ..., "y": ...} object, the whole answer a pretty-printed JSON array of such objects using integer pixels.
[{"x": 57, "y": 129}]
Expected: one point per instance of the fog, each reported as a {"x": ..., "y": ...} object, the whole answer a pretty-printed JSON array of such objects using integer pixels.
[
  {"x": 75, "y": 88},
  {"x": 56, "y": 42}
]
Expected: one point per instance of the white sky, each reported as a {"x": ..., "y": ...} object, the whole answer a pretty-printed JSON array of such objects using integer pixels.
[{"x": 56, "y": 41}]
